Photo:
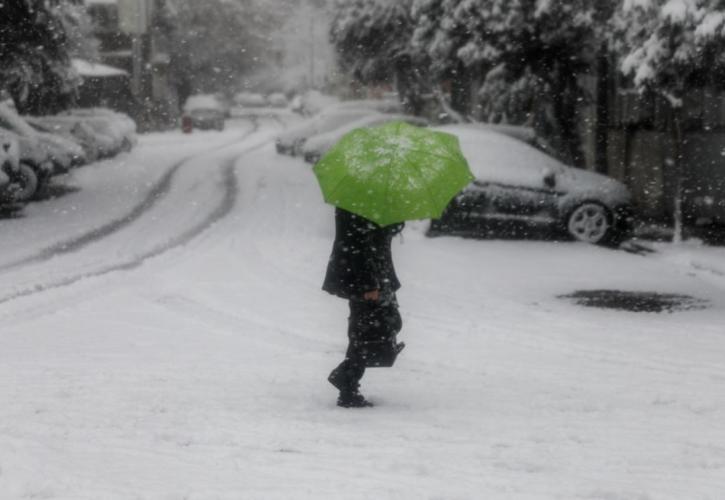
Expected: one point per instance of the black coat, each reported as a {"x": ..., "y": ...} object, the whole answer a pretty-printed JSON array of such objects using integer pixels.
[{"x": 361, "y": 258}]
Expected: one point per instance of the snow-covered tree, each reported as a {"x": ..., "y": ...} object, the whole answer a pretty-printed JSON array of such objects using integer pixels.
[
  {"x": 37, "y": 38},
  {"x": 669, "y": 47},
  {"x": 444, "y": 36},
  {"x": 541, "y": 49},
  {"x": 217, "y": 43},
  {"x": 372, "y": 41},
  {"x": 532, "y": 53}
]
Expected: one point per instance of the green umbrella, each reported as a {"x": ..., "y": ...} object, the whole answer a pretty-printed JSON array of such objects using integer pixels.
[{"x": 393, "y": 173}]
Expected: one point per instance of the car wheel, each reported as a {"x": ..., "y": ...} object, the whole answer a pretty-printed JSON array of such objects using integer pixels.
[
  {"x": 23, "y": 184},
  {"x": 591, "y": 222}
]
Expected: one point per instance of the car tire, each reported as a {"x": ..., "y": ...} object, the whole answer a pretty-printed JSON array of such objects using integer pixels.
[
  {"x": 23, "y": 184},
  {"x": 591, "y": 222},
  {"x": 43, "y": 182}
]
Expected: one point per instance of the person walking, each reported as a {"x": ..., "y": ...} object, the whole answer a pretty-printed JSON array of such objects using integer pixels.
[{"x": 361, "y": 271}]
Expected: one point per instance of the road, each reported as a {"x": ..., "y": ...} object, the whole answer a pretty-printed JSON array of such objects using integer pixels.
[{"x": 163, "y": 336}]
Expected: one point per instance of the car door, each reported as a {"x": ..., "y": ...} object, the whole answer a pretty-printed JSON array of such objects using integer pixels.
[{"x": 519, "y": 202}]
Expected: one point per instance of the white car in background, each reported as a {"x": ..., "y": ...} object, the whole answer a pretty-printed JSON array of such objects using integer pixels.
[
  {"x": 114, "y": 124},
  {"x": 250, "y": 100},
  {"x": 291, "y": 141},
  {"x": 317, "y": 145},
  {"x": 277, "y": 100},
  {"x": 517, "y": 185},
  {"x": 94, "y": 144},
  {"x": 312, "y": 102},
  {"x": 206, "y": 111}
]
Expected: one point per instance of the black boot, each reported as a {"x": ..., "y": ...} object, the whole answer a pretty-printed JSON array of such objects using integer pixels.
[
  {"x": 348, "y": 399},
  {"x": 338, "y": 378},
  {"x": 346, "y": 377}
]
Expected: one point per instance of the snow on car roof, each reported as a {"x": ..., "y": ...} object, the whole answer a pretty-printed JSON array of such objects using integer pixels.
[
  {"x": 203, "y": 101},
  {"x": 493, "y": 156}
]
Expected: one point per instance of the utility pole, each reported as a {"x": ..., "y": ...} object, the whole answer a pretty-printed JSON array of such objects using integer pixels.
[{"x": 134, "y": 19}]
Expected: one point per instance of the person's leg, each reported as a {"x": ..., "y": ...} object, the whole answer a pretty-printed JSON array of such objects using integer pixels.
[{"x": 346, "y": 376}]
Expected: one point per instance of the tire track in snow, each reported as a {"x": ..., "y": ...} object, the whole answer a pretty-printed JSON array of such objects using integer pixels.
[
  {"x": 228, "y": 201},
  {"x": 156, "y": 194}
]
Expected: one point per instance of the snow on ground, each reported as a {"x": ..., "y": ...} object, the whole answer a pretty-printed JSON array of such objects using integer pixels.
[{"x": 183, "y": 355}]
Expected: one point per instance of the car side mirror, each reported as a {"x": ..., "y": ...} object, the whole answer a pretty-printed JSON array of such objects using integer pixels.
[{"x": 549, "y": 178}]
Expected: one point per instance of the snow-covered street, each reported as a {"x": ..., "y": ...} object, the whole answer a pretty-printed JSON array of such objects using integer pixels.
[{"x": 163, "y": 335}]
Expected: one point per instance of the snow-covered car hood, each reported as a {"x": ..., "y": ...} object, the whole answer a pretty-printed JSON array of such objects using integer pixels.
[{"x": 30, "y": 149}]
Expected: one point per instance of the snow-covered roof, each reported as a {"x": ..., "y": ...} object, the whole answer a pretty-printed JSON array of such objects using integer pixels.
[{"x": 89, "y": 69}]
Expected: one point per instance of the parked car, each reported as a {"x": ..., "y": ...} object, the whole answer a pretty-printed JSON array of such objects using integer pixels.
[
  {"x": 9, "y": 151},
  {"x": 9, "y": 164},
  {"x": 250, "y": 100},
  {"x": 108, "y": 122},
  {"x": 205, "y": 111},
  {"x": 317, "y": 145},
  {"x": 277, "y": 100},
  {"x": 291, "y": 141},
  {"x": 94, "y": 144},
  {"x": 36, "y": 165},
  {"x": 517, "y": 184},
  {"x": 64, "y": 153},
  {"x": 312, "y": 102}
]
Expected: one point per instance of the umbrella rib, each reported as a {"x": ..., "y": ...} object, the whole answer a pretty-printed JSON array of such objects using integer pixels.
[
  {"x": 387, "y": 187},
  {"x": 433, "y": 154},
  {"x": 338, "y": 184},
  {"x": 431, "y": 198}
]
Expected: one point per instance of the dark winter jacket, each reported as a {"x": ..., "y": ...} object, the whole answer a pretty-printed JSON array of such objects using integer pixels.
[{"x": 361, "y": 259}]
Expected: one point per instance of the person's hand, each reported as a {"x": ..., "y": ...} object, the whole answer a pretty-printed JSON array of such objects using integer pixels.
[{"x": 373, "y": 295}]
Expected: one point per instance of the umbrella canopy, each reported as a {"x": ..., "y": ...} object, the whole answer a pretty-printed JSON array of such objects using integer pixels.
[{"x": 393, "y": 173}]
